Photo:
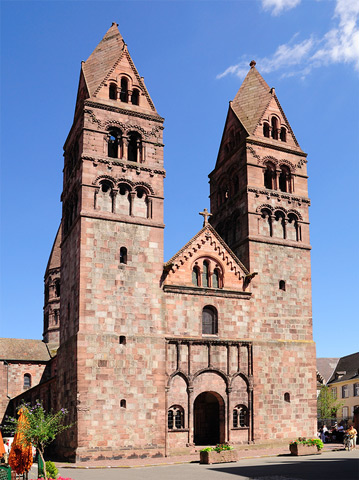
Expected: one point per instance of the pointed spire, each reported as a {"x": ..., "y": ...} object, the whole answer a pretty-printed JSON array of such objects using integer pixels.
[
  {"x": 252, "y": 99},
  {"x": 103, "y": 58}
]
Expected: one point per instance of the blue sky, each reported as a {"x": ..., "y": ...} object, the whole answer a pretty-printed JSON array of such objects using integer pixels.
[{"x": 193, "y": 56}]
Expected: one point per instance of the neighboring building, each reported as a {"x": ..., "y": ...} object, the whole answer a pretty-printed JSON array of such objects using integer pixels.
[
  {"x": 216, "y": 344},
  {"x": 22, "y": 366},
  {"x": 344, "y": 386},
  {"x": 325, "y": 369}
]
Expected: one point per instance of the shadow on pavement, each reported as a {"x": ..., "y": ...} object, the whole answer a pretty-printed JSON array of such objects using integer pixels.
[{"x": 336, "y": 469}]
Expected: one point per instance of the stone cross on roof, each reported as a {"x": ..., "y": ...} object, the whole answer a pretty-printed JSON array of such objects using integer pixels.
[{"x": 205, "y": 214}]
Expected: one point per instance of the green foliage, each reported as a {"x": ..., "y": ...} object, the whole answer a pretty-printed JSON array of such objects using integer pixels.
[
  {"x": 51, "y": 470},
  {"x": 40, "y": 428},
  {"x": 327, "y": 406},
  {"x": 308, "y": 441},
  {"x": 220, "y": 447}
]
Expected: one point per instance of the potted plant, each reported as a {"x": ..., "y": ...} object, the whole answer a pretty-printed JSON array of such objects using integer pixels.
[
  {"x": 306, "y": 446},
  {"x": 221, "y": 453}
]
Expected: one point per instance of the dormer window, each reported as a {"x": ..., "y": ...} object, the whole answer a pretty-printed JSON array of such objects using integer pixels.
[
  {"x": 274, "y": 128},
  {"x": 266, "y": 129},
  {"x": 124, "y": 90},
  {"x": 113, "y": 91},
  {"x": 135, "y": 97}
]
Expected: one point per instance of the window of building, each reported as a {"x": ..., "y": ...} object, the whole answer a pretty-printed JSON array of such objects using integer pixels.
[
  {"x": 112, "y": 91},
  {"x": 209, "y": 320},
  {"x": 215, "y": 278},
  {"x": 46, "y": 321},
  {"x": 240, "y": 416},
  {"x": 27, "y": 380},
  {"x": 124, "y": 90},
  {"x": 345, "y": 413},
  {"x": 123, "y": 255},
  {"x": 175, "y": 418},
  {"x": 345, "y": 391},
  {"x": 270, "y": 176},
  {"x": 283, "y": 134},
  {"x": 196, "y": 275},
  {"x": 287, "y": 397},
  {"x": 205, "y": 274},
  {"x": 114, "y": 146},
  {"x": 333, "y": 391},
  {"x": 123, "y": 403},
  {"x": 285, "y": 179},
  {"x": 266, "y": 129},
  {"x": 122, "y": 340},
  {"x": 56, "y": 316},
  {"x": 134, "y": 147},
  {"x": 282, "y": 285},
  {"x": 356, "y": 389},
  {"x": 135, "y": 97},
  {"x": 57, "y": 287},
  {"x": 274, "y": 122}
]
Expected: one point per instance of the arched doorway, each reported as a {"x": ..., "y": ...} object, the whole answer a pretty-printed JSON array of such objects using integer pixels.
[{"x": 208, "y": 419}]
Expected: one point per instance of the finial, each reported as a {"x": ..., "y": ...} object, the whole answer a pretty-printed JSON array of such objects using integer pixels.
[
  {"x": 205, "y": 214},
  {"x": 253, "y": 64}
]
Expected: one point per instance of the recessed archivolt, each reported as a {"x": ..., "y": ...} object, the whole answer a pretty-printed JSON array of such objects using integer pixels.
[
  {"x": 242, "y": 376},
  {"x": 105, "y": 177},
  {"x": 276, "y": 162},
  {"x": 266, "y": 206},
  {"x": 295, "y": 212},
  {"x": 115, "y": 181},
  {"x": 145, "y": 185}
]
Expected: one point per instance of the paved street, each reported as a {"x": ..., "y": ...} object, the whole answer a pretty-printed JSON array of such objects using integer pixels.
[{"x": 341, "y": 465}]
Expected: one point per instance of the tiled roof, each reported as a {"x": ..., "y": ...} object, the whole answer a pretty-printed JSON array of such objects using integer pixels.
[
  {"x": 55, "y": 255},
  {"x": 103, "y": 58},
  {"x": 23, "y": 349},
  {"x": 347, "y": 367},
  {"x": 251, "y": 100},
  {"x": 326, "y": 366}
]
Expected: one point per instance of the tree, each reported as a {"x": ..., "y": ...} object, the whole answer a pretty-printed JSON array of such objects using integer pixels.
[
  {"x": 327, "y": 405},
  {"x": 40, "y": 428}
]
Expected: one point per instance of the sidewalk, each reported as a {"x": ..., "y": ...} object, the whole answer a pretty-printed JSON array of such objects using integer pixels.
[{"x": 246, "y": 452}]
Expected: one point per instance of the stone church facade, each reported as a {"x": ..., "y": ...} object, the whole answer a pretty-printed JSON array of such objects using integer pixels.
[{"x": 214, "y": 345}]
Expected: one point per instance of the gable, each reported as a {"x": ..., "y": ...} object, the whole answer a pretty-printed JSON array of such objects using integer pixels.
[{"x": 206, "y": 247}]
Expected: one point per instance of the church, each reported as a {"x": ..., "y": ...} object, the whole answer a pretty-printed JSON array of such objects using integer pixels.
[{"x": 213, "y": 345}]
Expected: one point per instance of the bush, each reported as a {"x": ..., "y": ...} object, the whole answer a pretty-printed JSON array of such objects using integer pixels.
[
  {"x": 220, "y": 447},
  {"x": 51, "y": 470}
]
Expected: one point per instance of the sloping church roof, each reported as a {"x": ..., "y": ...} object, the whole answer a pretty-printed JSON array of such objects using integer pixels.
[
  {"x": 23, "y": 349},
  {"x": 55, "y": 255}
]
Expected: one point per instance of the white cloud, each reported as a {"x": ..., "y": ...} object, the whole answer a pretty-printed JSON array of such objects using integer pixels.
[
  {"x": 279, "y": 6},
  {"x": 339, "y": 45}
]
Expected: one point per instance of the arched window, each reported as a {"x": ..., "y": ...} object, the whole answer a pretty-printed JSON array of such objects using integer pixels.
[
  {"x": 123, "y": 403},
  {"x": 104, "y": 197},
  {"x": 293, "y": 231},
  {"x": 122, "y": 340},
  {"x": 283, "y": 134},
  {"x": 270, "y": 176},
  {"x": 123, "y": 255},
  {"x": 135, "y": 97},
  {"x": 279, "y": 229},
  {"x": 209, "y": 320},
  {"x": 265, "y": 223},
  {"x": 124, "y": 90},
  {"x": 215, "y": 278},
  {"x": 27, "y": 380},
  {"x": 112, "y": 91},
  {"x": 175, "y": 419},
  {"x": 240, "y": 416},
  {"x": 114, "y": 148},
  {"x": 287, "y": 397},
  {"x": 285, "y": 179},
  {"x": 266, "y": 129},
  {"x": 57, "y": 287},
  {"x": 196, "y": 275},
  {"x": 134, "y": 147},
  {"x": 282, "y": 285},
  {"x": 274, "y": 123},
  {"x": 205, "y": 274}
]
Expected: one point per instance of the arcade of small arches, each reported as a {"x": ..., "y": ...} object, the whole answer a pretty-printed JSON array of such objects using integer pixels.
[
  {"x": 123, "y": 198},
  {"x": 272, "y": 128},
  {"x": 279, "y": 223},
  {"x": 207, "y": 272},
  {"x": 278, "y": 178},
  {"x": 127, "y": 147},
  {"x": 124, "y": 91}
]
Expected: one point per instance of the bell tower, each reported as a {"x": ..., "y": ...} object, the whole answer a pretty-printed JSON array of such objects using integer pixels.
[
  {"x": 111, "y": 256},
  {"x": 259, "y": 204}
]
